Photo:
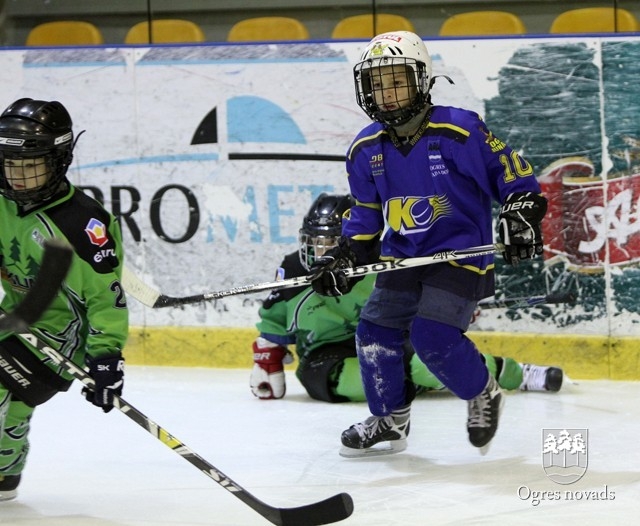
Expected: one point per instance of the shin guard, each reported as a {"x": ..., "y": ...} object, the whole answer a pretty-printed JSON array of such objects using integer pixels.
[
  {"x": 381, "y": 356},
  {"x": 451, "y": 356}
]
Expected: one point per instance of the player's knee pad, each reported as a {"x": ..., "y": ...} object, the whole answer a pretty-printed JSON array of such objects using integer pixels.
[
  {"x": 319, "y": 372},
  {"x": 371, "y": 338},
  {"x": 434, "y": 341}
]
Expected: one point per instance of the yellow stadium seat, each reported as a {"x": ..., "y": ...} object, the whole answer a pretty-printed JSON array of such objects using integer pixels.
[
  {"x": 595, "y": 20},
  {"x": 361, "y": 26},
  {"x": 483, "y": 23},
  {"x": 167, "y": 31},
  {"x": 268, "y": 28},
  {"x": 64, "y": 33}
]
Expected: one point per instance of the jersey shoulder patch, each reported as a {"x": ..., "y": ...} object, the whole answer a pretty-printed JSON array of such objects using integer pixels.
[
  {"x": 88, "y": 227},
  {"x": 291, "y": 267}
]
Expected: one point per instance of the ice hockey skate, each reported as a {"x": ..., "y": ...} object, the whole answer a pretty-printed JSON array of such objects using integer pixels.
[
  {"x": 484, "y": 413},
  {"x": 9, "y": 487},
  {"x": 359, "y": 440},
  {"x": 541, "y": 378}
]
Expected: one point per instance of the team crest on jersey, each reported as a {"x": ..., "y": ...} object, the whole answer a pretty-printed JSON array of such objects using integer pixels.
[
  {"x": 97, "y": 232},
  {"x": 495, "y": 143},
  {"x": 411, "y": 215}
]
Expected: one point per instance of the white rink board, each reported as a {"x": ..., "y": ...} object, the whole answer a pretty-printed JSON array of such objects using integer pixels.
[{"x": 222, "y": 212}]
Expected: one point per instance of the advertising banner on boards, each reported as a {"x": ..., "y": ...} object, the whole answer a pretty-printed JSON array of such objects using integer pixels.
[{"x": 211, "y": 154}]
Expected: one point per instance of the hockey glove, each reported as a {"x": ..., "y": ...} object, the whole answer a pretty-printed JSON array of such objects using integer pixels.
[
  {"x": 267, "y": 376},
  {"x": 520, "y": 226},
  {"x": 108, "y": 375},
  {"x": 327, "y": 276}
]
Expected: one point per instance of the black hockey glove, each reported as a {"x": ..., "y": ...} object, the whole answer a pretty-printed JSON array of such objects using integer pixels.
[
  {"x": 520, "y": 226},
  {"x": 327, "y": 276},
  {"x": 108, "y": 375}
]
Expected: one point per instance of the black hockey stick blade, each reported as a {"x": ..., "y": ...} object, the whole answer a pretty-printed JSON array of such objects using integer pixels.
[
  {"x": 327, "y": 511},
  {"x": 53, "y": 269}
]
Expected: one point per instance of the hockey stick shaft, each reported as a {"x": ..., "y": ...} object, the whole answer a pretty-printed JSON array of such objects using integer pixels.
[
  {"x": 515, "y": 303},
  {"x": 333, "y": 509},
  {"x": 150, "y": 297},
  {"x": 53, "y": 269}
]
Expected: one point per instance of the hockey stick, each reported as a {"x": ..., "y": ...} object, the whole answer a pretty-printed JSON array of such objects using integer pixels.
[
  {"x": 516, "y": 303},
  {"x": 327, "y": 511},
  {"x": 53, "y": 269},
  {"x": 153, "y": 298}
]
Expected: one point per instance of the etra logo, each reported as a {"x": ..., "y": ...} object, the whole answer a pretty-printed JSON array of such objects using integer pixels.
[{"x": 97, "y": 232}]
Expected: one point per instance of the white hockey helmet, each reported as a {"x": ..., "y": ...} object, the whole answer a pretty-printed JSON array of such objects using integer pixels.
[{"x": 397, "y": 48}]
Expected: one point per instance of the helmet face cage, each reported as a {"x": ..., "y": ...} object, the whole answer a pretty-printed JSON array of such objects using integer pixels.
[
  {"x": 36, "y": 143},
  {"x": 388, "y": 89},
  {"x": 393, "y": 78},
  {"x": 322, "y": 227},
  {"x": 314, "y": 247},
  {"x": 31, "y": 179}
]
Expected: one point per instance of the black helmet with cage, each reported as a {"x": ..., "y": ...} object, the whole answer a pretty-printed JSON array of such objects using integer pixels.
[
  {"x": 390, "y": 61},
  {"x": 36, "y": 144},
  {"x": 322, "y": 226}
]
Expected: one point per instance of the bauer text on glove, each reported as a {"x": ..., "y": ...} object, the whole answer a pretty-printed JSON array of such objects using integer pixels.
[
  {"x": 520, "y": 226},
  {"x": 267, "y": 380}
]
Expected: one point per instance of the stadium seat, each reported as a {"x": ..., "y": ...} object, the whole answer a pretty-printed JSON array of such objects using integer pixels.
[
  {"x": 167, "y": 31},
  {"x": 480, "y": 23},
  {"x": 268, "y": 28},
  {"x": 64, "y": 33},
  {"x": 595, "y": 20},
  {"x": 361, "y": 26}
]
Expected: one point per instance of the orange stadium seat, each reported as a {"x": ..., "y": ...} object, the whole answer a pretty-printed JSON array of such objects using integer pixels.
[
  {"x": 361, "y": 26},
  {"x": 483, "y": 23},
  {"x": 167, "y": 31},
  {"x": 64, "y": 33},
  {"x": 268, "y": 28},
  {"x": 595, "y": 20}
]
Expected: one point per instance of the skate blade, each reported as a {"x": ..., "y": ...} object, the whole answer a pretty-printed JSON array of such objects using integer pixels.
[
  {"x": 384, "y": 448},
  {"x": 8, "y": 495},
  {"x": 485, "y": 449}
]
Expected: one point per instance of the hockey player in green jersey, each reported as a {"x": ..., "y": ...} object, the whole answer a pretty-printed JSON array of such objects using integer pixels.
[
  {"x": 323, "y": 329},
  {"x": 88, "y": 319}
]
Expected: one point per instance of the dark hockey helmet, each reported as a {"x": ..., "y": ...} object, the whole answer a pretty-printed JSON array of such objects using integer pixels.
[
  {"x": 36, "y": 144},
  {"x": 401, "y": 57},
  {"x": 322, "y": 226}
]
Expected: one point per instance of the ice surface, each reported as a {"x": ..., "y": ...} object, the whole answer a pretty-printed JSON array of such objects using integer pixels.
[{"x": 87, "y": 468}]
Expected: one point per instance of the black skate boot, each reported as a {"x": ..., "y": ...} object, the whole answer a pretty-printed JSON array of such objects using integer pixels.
[
  {"x": 540, "y": 378},
  {"x": 357, "y": 441},
  {"x": 9, "y": 486},
  {"x": 484, "y": 413}
]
